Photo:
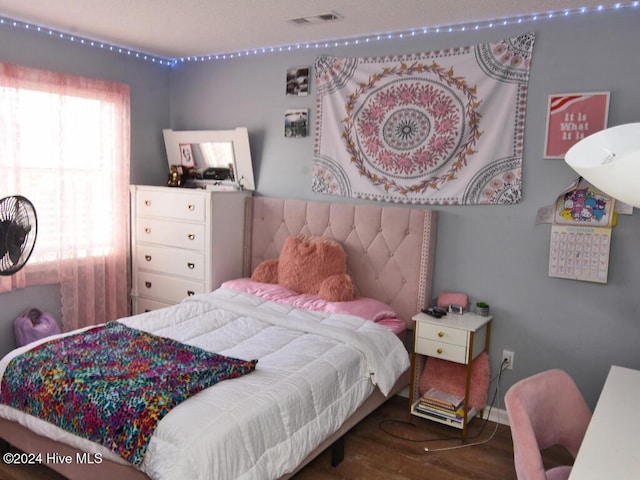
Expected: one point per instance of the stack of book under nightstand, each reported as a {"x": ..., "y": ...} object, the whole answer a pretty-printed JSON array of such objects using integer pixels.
[{"x": 441, "y": 405}]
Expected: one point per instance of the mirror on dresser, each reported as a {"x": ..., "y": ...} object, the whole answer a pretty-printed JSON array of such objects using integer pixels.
[{"x": 212, "y": 157}]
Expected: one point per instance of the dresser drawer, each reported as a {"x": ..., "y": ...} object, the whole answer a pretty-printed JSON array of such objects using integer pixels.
[
  {"x": 171, "y": 234},
  {"x": 441, "y": 333},
  {"x": 166, "y": 288},
  {"x": 183, "y": 263},
  {"x": 143, "y": 305},
  {"x": 180, "y": 205},
  {"x": 445, "y": 351}
]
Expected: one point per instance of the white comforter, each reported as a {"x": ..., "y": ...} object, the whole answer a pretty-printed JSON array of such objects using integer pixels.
[{"x": 314, "y": 370}]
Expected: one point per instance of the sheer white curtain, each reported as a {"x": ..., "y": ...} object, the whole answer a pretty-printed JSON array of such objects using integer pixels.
[{"x": 64, "y": 144}]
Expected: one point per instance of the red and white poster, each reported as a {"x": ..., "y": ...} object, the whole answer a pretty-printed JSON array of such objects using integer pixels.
[{"x": 572, "y": 117}]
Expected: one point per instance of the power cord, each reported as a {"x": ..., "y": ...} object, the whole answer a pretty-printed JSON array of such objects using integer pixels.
[{"x": 497, "y": 379}]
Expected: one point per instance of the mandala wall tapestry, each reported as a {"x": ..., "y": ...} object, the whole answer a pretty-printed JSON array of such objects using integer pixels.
[{"x": 444, "y": 127}]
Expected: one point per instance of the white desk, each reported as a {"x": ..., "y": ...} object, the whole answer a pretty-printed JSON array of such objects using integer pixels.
[{"x": 611, "y": 446}]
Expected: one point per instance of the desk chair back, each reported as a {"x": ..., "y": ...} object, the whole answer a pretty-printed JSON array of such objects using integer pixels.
[{"x": 544, "y": 410}]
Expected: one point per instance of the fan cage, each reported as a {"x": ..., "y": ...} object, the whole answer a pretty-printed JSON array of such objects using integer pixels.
[{"x": 18, "y": 231}]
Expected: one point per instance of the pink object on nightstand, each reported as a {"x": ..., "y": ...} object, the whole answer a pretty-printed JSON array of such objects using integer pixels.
[
  {"x": 450, "y": 298},
  {"x": 33, "y": 325}
]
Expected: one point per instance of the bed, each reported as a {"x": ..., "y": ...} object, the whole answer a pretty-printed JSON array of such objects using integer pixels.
[{"x": 390, "y": 252}]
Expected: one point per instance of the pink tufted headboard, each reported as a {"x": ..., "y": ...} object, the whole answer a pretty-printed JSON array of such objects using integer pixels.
[{"x": 390, "y": 250}]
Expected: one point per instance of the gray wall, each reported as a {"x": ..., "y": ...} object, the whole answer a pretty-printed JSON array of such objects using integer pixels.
[
  {"x": 149, "y": 85},
  {"x": 497, "y": 253}
]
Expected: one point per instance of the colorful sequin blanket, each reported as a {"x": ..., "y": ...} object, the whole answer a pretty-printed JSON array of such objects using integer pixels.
[{"x": 112, "y": 384}]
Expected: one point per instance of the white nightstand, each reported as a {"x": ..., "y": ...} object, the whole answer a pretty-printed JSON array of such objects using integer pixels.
[{"x": 457, "y": 338}]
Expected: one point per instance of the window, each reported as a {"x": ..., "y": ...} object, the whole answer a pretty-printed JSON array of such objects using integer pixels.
[
  {"x": 64, "y": 144},
  {"x": 55, "y": 135}
]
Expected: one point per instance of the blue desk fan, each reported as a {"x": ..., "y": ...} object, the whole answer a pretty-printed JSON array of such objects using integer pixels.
[{"x": 18, "y": 230}]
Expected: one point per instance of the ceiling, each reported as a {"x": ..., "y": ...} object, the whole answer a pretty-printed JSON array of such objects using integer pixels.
[{"x": 184, "y": 28}]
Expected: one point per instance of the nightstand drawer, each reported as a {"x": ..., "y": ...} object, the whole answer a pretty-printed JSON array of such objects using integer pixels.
[
  {"x": 440, "y": 333},
  {"x": 445, "y": 351},
  {"x": 167, "y": 289},
  {"x": 171, "y": 234},
  {"x": 184, "y": 263},
  {"x": 178, "y": 205}
]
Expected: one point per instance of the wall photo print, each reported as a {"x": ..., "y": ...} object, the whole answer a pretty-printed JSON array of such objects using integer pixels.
[
  {"x": 572, "y": 117},
  {"x": 296, "y": 123},
  {"x": 298, "y": 81}
]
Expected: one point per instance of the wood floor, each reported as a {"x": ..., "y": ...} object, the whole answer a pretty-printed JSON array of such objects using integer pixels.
[{"x": 385, "y": 446}]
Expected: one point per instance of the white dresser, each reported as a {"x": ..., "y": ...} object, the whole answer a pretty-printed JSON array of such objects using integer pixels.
[{"x": 183, "y": 242}]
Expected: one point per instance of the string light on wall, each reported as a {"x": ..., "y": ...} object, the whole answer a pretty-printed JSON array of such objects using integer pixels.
[
  {"x": 517, "y": 20},
  {"x": 87, "y": 42},
  {"x": 443, "y": 29}
]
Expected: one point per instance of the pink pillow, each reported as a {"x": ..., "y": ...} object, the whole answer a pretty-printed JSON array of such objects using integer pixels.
[{"x": 363, "y": 307}]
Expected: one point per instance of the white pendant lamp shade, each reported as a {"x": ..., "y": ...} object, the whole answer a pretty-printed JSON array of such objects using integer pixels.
[{"x": 610, "y": 161}]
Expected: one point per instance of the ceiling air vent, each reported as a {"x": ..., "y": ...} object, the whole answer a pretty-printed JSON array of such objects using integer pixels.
[
  {"x": 315, "y": 19},
  {"x": 299, "y": 21}
]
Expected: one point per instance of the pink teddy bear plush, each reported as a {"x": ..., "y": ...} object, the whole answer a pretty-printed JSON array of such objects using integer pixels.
[{"x": 309, "y": 264}]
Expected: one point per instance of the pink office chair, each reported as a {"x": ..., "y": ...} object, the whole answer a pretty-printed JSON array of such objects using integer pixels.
[{"x": 544, "y": 410}]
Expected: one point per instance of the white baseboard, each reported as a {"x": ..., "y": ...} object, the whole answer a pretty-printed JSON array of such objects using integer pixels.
[
  {"x": 404, "y": 392},
  {"x": 497, "y": 415}
]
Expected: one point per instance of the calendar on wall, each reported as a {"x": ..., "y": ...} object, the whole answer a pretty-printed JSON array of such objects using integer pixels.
[
  {"x": 579, "y": 253},
  {"x": 581, "y": 234}
]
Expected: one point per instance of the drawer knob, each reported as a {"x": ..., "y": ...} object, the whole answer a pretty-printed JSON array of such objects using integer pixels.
[
  {"x": 147, "y": 203},
  {"x": 190, "y": 293},
  {"x": 147, "y": 258},
  {"x": 191, "y": 265},
  {"x": 191, "y": 207},
  {"x": 191, "y": 236},
  {"x": 146, "y": 310},
  {"x": 439, "y": 350},
  {"x": 441, "y": 334},
  {"x": 147, "y": 284},
  {"x": 147, "y": 230}
]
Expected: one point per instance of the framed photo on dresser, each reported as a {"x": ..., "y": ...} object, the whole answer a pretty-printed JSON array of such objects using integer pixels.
[{"x": 186, "y": 155}]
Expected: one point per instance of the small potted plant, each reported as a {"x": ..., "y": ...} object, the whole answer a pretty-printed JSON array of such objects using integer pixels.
[{"x": 482, "y": 309}]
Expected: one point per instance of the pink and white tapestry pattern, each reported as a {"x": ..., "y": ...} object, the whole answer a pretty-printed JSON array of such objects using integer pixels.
[{"x": 444, "y": 127}]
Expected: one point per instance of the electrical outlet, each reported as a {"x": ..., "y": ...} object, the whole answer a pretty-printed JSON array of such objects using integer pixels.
[{"x": 507, "y": 355}]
